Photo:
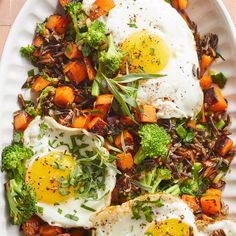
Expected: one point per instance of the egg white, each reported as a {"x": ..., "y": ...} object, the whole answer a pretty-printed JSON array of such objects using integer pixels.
[
  {"x": 178, "y": 94},
  {"x": 56, "y": 133},
  {"x": 118, "y": 221}
]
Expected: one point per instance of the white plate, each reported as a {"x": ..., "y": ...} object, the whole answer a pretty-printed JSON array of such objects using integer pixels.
[{"x": 210, "y": 15}]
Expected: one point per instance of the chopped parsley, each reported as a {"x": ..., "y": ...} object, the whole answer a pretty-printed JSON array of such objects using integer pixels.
[{"x": 132, "y": 25}]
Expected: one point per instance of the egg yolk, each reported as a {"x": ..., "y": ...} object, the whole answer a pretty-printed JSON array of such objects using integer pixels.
[
  {"x": 144, "y": 52},
  {"x": 170, "y": 227},
  {"x": 48, "y": 175}
]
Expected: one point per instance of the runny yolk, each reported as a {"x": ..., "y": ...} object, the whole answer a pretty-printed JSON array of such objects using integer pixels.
[
  {"x": 170, "y": 227},
  {"x": 46, "y": 175},
  {"x": 144, "y": 52}
]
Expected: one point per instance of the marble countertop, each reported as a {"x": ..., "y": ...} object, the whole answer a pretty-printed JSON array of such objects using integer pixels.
[{"x": 10, "y": 8}]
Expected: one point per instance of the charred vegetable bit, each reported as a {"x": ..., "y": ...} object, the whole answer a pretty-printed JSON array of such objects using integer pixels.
[
  {"x": 154, "y": 143},
  {"x": 22, "y": 201},
  {"x": 220, "y": 79}
]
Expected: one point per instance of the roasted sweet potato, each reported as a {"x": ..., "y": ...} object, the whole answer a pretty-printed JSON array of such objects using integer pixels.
[
  {"x": 103, "y": 104},
  {"x": 205, "y": 63},
  {"x": 64, "y": 2},
  {"x": 124, "y": 161},
  {"x": 100, "y": 8},
  {"x": 126, "y": 121},
  {"x": 98, "y": 125},
  {"x": 192, "y": 202},
  {"x": 21, "y": 121},
  {"x": 128, "y": 140},
  {"x": 57, "y": 23},
  {"x": 39, "y": 84},
  {"x": 81, "y": 121},
  {"x": 64, "y": 96},
  {"x": 46, "y": 58},
  {"x": 213, "y": 192},
  {"x": 72, "y": 51},
  {"x": 31, "y": 226},
  {"x": 183, "y": 4},
  {"x": 223, "y": 145},
  {"x": 76, "y": 71},
  {"x": 48, "y": 230},
  {"x": 192, "y": 124},
  {"x": 38, "y": 41},
  {"x": 210, "y": 204},
  {"x": 90, "y": 69},
  {"x": 206, "y": 82},
  {"x": 215, "y": 100},
  {"x": 147, "y": 114}
]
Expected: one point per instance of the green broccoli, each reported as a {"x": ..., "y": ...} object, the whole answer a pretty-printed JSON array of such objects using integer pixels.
[
  {"x": 153, "y": 178},
  {"x": 110, "y": 61},
  {"x": 21, "y": 200},
  {"x": 173, "y": 190},
  {"x": 154, "y": 143},
  {"x": 13, "y": 160},
  {"x": 95, "y": 35},
  {"x": 27, "y": 51}
]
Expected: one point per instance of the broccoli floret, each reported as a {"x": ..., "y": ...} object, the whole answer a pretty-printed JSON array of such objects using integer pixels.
[
  {"x": 13, "y": 160},
  {"x": 110, "y": 61},
  {"x": 173, "y": 190},
  {"x": 27, "y": 51},
  {"x": 154, "y": 143},
  {"x": 153, "y": 178},
  {"x": 95, "y": 35},
  {"x": 21, "y": 200}
]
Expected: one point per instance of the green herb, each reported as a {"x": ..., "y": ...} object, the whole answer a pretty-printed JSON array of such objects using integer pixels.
[
  {"x": 94, "y": 112},
  {"x": 218, "y": 55},
  {"x": 181, "y": 131},
  {"x": 40, "y": 210},
  {"x": 220, "y": 79},
  {"x": 59, "y": 210},
  {"x": 58, "y": 166},
  {"x": 27, "y": 51},
  {"x": 95, "y": 89},
  {"x": 31, "y": 73},
  {"x": 31, "y": 111},
  {"x": 43, "y": 130},
  {"x": 40, "y": 27},
  {"x": 132, "y": 25},
  {"x": 72, "y": 217},
  {"x": 87, "y": 208},
  {"x": 152, "y": 51}
]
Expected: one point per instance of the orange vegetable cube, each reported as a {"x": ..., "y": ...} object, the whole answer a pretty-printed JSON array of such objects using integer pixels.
[
  {"x": 98, "y": 125},
  {"x": 183, "y": 4},
  {"x": 90, "y": 69},
  {"x": 39, "y": 84},
  {"x": 100, "y": 8},
  {"x": 57, "y": 23},
  {"x": 210, "y": 205},
  {"x": 64, "y": 96},
  {"x": 213, "y": 192},
  {"x": 76, "y": 71},
  {"x": 191, "y": 201},
  {"x": 46, "y": 58},
  {"x": 81, "y": 122},
  {"x": 206, "y": 82},
  {"x": 38, "y": 41},
  {"x": 125, "y": 161},
  {"x": 64, "y": 2},
  {"x": 48, "y": 230},
  {"x": 147, "y": 114},
  {"x": 223, "y": 145},
  {"x": 72, "y": 51},
  {"x": 103, "y": 104},
  {"x": 205, "y": 63},
  {"x": 21, "y": 121},
  {"x": 128, "y": 140}
]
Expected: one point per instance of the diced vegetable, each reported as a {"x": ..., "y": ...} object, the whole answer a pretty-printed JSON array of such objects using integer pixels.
[
  {"x": 21, "y": 121},
  {"x": 64, "y": 96},
  {"x": 192, "y": 124},
  {"x": 46, "y": 58},
  {"x": 38, "y": 41},
  {"x": 206, "y": 82},
  {"x": 64, "y": 2},
  {"x": 125, "y": 161},
  {"x": 100, "y": 8},
  {"x": 81, "y": 122},
  {"x": 223, "y": 145},
  {"x": 76, "y": 71},
  {"x": 128, "y": 140},
  {"x": 205, "y": 63},
  {"x": 36, "y": 53},
  {"x": 203, "y": 115},
  {"x": 215, "y": 100},
  {"x": 98, "y": 125},
  {"x": 72, "y": 51},
  {"x": 211, "y": 202},
  {"x": 191, "y": 202},
  {"x": 147, "y": 114},
  {"x": 90, "y": 69},
  {"x": 103, "y": 104},
  {"x": 57, "y": 23},
  {"x": 220, "y": 79},
  {"x": 220, "y": 124},
  {"x": 31, "y": 226},
  {"x": 48, "y": 230},
  {"x": 126, "y": 120},
  {"x": 39, "y": 84},
  {"x": 183, "y": 4}
]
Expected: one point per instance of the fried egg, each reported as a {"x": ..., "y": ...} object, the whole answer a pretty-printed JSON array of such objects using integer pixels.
[
  {"x": 53, "y": 167},
  {"x": 158, "y": 214},
  {"x": 155, "y": 39}
]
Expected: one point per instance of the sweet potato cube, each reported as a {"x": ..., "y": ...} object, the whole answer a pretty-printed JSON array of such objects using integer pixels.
[
  {"x": 147, "y": 114},
  {"x": 215, "y": 100},
  {"x": 223, "y": 145},
  {"x": 205, "y": 63},
  {"x": 64, "y": 96},
  {"x": 98, "y": 125},
  {"x": 76, "y": 71},
  {"x": 192, "y": 202},
  {"x": 64, "y": 2},
  {"x": 90, "y": 69},
  {"x": 38, "y": 41},
  {"x": 210, "y": 204},
  {"x": 100, "y": 8},
  {"x": 57, "y": 23},
  {"x": 39, "y": 84},
  {"x": 128, "y": 140},
  {"x": 125, "y": 161},
  {"x": 81, "y": 122},
  {"x": 103, "y": 104},
  {"x": 21, "y": 121},
  {"x": 183, "y": 4},
  {"x": 46, "y": 58},
  {"x": 72, "y": 51},
  {"x": 48, "y": 230}
]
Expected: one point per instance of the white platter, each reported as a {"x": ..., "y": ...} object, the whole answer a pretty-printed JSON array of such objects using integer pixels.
[{"x": 210, "y": 15}]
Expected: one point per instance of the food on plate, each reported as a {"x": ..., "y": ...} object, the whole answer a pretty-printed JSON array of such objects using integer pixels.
[{"x": 126, "y": 130}]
